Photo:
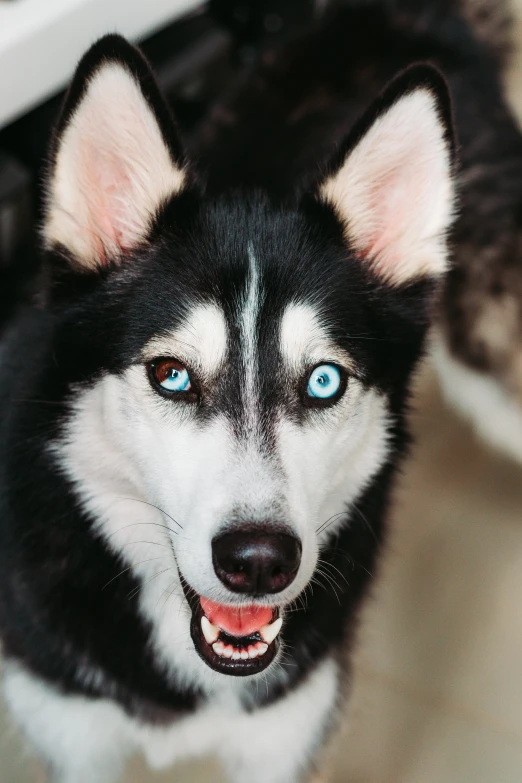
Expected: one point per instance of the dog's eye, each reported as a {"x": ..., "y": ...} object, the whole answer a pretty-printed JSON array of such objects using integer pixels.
[
  {"x": 170, "y": 375},
  {"x": 324, "y": 382}
]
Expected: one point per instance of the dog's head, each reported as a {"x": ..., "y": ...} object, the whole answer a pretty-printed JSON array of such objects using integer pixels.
[{"x": 235, "y": 365}]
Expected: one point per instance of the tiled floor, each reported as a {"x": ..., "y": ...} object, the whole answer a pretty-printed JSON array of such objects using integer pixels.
[{"x": 438, "y": 679}]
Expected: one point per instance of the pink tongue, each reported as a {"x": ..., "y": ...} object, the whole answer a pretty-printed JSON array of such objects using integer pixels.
[{"x": 236, "y": 621}]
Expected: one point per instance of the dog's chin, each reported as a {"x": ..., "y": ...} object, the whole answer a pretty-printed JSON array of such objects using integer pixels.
[{"x": 239, "y": 641}]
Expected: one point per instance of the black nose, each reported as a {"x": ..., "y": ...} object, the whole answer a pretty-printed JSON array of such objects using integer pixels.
[{"x": 256, "y": 562}]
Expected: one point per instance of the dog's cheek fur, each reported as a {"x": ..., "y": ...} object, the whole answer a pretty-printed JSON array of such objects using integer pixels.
[
  {"x": 128, "y": 455},
  {"x": 329, "y": 460}
]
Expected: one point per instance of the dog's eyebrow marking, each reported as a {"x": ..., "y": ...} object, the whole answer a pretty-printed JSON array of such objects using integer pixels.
[
  {"x": 304, "y": 340},
  {"x": 201, "y": 341},
  {"x": 249, "y": 322}
]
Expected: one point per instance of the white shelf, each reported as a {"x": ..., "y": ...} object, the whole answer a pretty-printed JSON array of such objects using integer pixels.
[{"x": 42, "y": 40}]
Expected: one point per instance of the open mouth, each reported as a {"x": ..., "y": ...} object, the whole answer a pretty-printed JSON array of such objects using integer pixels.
[{"x": 235, "y": 640}]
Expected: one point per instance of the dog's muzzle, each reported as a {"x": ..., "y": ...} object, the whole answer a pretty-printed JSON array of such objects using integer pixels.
[{"x": 243, "y": 640}]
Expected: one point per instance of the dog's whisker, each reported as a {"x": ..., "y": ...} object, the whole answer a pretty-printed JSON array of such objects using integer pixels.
[
  {"x": 331, "y": 581},
  {"x": 331, "y": 585},
  {"x": 153, "y": 505},
  {"x": 320, "y": 569},
  {"x": 364, "y": 519},
  {"x": 135, "y": 524},
  {"x": 138, "y": 588},
  {"x": 329, "y": 521},
  {"x": 172, "y": 590},
  {"x": 134, "y": 565},
  {"x": 327, "y": 564},
  {"x": 354, "y": 563},
  {"x": 151, "y": 543}
]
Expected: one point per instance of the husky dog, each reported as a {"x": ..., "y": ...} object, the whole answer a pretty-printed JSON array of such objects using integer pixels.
[{"x": 201, "y": 426}]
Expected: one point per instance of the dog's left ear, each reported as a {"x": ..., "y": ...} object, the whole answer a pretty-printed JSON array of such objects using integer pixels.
[
  {"x": 391, "y": 184},
  {"x": 116, "y": 157}
]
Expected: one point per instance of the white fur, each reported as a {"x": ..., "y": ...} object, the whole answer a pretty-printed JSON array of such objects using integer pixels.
[
  {"x": 249, "y": 323},
  {"x": 88, "y": 741},
  {"x": 201, "y": 342},
  {"x": 329, "y": 463},
  {"x": 82, "y": 740},
  {"x": 394, "y": 192},
  {"x": 495, "y": 415},
  {"x": 112, "y": 172},
  {"x": 125, "y": 444},
  {"x": 304, "y": 340}
]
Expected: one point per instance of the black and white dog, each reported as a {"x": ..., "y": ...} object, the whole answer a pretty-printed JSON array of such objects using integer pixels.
[{"x": 201, "y": 427}]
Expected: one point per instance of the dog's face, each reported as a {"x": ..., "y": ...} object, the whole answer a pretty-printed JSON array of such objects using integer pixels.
[{"x": 237, "y": 362}]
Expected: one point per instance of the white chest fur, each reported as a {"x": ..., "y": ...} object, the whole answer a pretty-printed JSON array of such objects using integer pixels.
[{"x": 87, "y": 741}]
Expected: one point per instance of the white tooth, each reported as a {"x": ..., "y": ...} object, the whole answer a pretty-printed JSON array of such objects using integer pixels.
[
  {"x": 262, "y": 648},
  {"x": 252, "y": 652},
  {"x": 228, "y": 651},
  {"x": 269, "y": 632},
  {"x": 218, "y": 648},
  {"x": 210, "y": 632},
  {"x": 244, "y": 654},
  {"x": 236, "y": 655}
]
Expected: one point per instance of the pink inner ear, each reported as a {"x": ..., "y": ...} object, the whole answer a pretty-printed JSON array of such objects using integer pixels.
[
  {"x": 394, "y": 202},
  {"x": 107, "y": 189},
  {"x": 389, "y": 200},
  {"x": 119, "y": 195}
]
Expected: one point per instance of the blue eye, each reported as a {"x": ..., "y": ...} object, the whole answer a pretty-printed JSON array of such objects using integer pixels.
[
  {"x": 171, "y": 375},
  {"x": 324, "y": 382}
]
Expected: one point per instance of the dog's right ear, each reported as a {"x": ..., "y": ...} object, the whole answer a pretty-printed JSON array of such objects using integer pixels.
[{"x": 116, "y": 157}]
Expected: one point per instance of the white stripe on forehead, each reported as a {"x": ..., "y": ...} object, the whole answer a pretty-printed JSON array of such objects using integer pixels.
[
  {"x": 249, "y": 319},
  {"x": 305, "y": 341},
  {"x": 200, "y": 341}
]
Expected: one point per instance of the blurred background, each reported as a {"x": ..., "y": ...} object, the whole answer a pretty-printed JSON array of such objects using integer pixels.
[{"x": 437, "y": 692}]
